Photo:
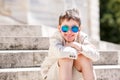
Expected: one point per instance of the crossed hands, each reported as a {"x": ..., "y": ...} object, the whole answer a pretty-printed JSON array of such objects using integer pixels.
[{"x": 75, "y": 45}]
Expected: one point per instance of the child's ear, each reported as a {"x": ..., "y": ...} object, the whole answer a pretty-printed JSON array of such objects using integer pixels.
[
  {"x": 59, "y": 28},
  {"x": 79, "y": 28}
]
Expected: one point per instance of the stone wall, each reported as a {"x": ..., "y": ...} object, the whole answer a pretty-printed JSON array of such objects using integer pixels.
[
  {"x": 15, "y": 9},
  {"x": 93, "y": 24},
  {"x": 47, "y": 13},
  {"x": 37, "y": 12}
]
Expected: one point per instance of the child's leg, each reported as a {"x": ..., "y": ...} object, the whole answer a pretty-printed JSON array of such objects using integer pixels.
[
  {"x": 65, "y": 68},
  {"x": 84, "y": 65}
]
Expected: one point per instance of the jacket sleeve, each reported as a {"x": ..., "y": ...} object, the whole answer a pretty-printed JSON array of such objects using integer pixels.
[
  {"x": 45, "y": 66},
  {"x": 89, "y": 50},
  {"x": 58, "y": 50}
]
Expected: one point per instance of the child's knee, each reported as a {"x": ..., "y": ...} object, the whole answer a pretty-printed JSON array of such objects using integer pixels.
[
  {"x": 82, "y": 62},
  {"x": 65, "y": 62},
  {"x": 84, "y": 58}
]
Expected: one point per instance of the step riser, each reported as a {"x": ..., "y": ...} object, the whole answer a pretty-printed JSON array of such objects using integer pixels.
[
  {"x": 102, "y": 74},
  {"x": 24, "y": 43},
  {"x": 20, "y": 43},
  {"x": 37, "y": 42},
  {"x": 108, "y": 74},
  {"x": 30, "y": 42},
  {"x": 26, "y": 30},
  {"x": 108, "y": 58},
  {"x": 27, "y": 59},
  {"x": 20, "y": 30},
  {"x": 30, "y": 75}
]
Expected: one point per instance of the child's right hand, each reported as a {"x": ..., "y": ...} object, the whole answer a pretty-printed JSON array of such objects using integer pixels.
[{"x": 75, "y": 45}]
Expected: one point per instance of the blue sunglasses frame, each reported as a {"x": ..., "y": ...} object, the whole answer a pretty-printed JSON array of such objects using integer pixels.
[{"x": 66, "y": 28}]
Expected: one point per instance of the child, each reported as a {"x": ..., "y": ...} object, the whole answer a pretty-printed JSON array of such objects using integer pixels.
[{"x": 70, "y": 53}]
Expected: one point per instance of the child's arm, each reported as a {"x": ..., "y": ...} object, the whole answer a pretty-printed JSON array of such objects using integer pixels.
[
  {"x": 89, "y": 50},
  {"x": 86, "y": 48},
  {"x": 57, "y": 49}
]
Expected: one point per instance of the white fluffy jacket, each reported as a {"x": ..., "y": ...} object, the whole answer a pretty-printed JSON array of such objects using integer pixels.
[{"x": 58, "y": 50}]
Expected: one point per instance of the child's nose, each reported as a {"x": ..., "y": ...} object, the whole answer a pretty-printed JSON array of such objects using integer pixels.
[{"x": 69, "y": 32}]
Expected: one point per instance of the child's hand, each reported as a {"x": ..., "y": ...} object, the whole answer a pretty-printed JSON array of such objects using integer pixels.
[{"x": 75, "y": 45}]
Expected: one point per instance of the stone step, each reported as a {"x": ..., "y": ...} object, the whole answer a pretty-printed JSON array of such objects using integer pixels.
[
  {"x": 20, "y": 74},
  {"x": 24, "y": 43},
  {"x": 108, "y": 58},
  {"x": 26, "y": 30},
  {"x": 4, "y": 19},
  {"x": 102, "y": 73},
  {"x": 28, "y": 42},
  {"x": 21, "y": 58},
  {"x": 107, "y": 72},
  {"x": 30, "y": 58},
  {"x": 14, "y": 36},
  {"x": 20, "y": 30},
  {"x": 108, "y": 46}
]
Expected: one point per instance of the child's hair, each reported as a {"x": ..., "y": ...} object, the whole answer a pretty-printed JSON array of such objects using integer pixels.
[{"x": 70, "y": 14}]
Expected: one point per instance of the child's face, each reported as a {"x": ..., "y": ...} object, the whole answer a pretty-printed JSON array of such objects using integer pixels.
[{"x": 69, "y": 36}]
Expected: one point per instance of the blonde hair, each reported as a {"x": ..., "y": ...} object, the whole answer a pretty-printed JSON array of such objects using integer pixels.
[{"x": 70, "y": 14}]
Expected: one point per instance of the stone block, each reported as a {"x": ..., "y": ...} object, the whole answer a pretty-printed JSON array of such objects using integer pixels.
[
  {"x": 108, "y": 58},
  {"x": 16, "y": 59},
  {"x": 20, "y": 30},
  {"x": 29, "y": 75},
  {"x": 38, "y": 58},
  {"x": 24, "y": 43},
  {"x": 22, "y": 74},
  {"x": 102, "y": 73},
  {"x": 8, "y": 76},
  {"x": 4, "y": 19},
  {"x": 108, "y": 73}
]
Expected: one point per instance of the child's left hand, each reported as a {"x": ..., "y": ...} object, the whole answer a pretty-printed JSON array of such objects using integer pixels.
[{"x": 75, "y": 45}]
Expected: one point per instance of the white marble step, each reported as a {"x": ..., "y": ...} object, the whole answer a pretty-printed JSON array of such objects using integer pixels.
[
  {"x": 20, "y": 74},
  {"x": 24, "y": 43},
  {"x": 109, "y": 72},
  {"x": 31, "y": 42},
  {"x": 7, "y": 20},
  {"x": 20, "y": 30},
  {"x": 26, "y": 30},
  {"x": 30, "y": 58},
  {"x": 109, "y": 57},
  {"x": 20, "y": 36},
  {"x": 21, "y": 58}
]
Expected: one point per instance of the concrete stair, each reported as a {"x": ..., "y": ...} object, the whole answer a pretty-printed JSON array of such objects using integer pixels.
[
  {"x": 102, "y": 72},
  {"x": 109, "y": 72},
  {"x": 20, "y": 74},
  {"x": 24, "y": 43},
  {"x": 7, "y": 19},
  {"x": 22, "y": 64},
  {"x": 34, "y": 58},
  {"x": 24, "y": 47}
]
